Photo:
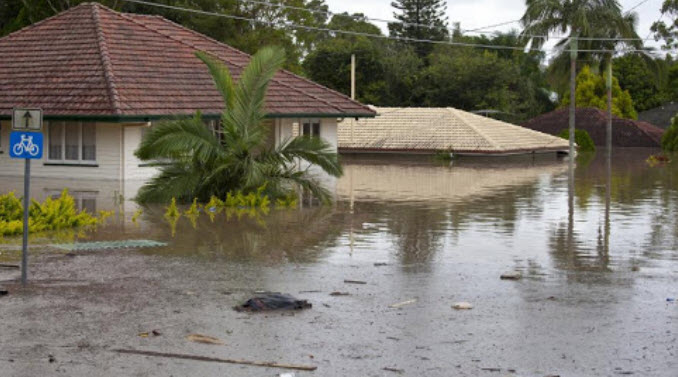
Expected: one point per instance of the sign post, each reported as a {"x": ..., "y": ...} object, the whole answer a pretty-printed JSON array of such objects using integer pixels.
[{"x": 26, "y": 142}]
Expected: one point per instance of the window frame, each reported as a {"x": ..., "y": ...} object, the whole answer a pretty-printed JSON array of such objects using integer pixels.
[
  {"x": 63, "y": 160},
  {"x": 312, "y": 122}
]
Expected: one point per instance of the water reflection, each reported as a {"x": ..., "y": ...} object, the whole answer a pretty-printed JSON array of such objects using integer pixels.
[{"x": 602, "y": 212}]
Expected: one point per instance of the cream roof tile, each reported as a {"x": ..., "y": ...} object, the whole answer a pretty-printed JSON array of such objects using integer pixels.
[{"x": 441, "y": 129}]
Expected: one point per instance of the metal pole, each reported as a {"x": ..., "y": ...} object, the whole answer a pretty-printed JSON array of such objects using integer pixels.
[
  {"x": 352, "y": 76},
  {"x": 27, "y": 202},
  {"x": 573, "y": 87},
  {"x": 609, "y": 107}
]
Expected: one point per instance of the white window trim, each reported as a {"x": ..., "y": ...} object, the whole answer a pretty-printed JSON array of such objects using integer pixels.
[{"x": 63, "y": 160}]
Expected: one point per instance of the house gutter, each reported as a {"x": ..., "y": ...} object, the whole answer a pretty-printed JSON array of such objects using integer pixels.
[{"x": 148, "y": 118}]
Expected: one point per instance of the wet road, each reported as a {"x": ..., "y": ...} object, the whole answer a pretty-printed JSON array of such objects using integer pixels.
[{"x": 592, "y": 301}]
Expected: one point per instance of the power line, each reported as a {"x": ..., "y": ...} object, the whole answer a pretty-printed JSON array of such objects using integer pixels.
[
  {"x": 636, "y": 6},
  {"x": 480, "y": 30},
  {"x": 380, "y": 36}
]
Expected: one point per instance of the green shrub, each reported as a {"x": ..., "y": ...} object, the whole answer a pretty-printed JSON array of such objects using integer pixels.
[
  {"x": 50, "y": 215},
  {"x": 582, "y": 138},
  {"x": 670, "y": 138}
]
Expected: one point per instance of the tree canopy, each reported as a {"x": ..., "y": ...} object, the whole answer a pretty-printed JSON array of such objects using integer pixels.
[{"x": 592, "y": 92}]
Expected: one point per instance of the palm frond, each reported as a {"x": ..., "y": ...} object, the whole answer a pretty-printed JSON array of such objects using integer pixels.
[
  {"x": 221, "y": 76},
  {"x": 314, "y": 150},
  {"x": 180, "y": 138}
]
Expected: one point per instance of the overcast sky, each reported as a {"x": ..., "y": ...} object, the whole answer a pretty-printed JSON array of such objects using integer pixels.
[{"x": 479, "y": 13}]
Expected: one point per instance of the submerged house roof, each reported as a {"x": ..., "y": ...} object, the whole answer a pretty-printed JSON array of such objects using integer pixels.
[
  {"x": 428, "y": 130},
  {"x": 93, "y": 62},
  {"x": 625, "y": 132},
  {"x": 660, "y": 116}
]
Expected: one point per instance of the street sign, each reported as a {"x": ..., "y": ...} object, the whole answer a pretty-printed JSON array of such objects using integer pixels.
[
  {"x": 26, "y": 142},
  {"x": 25, "y": 145},
  {"x": 27, "y": 120}
]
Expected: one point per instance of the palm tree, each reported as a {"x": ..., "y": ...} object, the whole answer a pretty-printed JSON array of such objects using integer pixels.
[
  {"x": 585, "y": 19},
  {"x": 197, "y": 162}
]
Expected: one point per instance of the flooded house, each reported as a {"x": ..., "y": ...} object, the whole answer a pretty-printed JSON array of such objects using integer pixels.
[
  {"x": 625, "y": 132},
  {"x": 102, "y": 78},
  {"x": 435, "y": 130}
]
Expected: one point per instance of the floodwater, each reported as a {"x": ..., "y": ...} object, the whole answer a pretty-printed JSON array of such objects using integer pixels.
[{"x": 598, "y": 255}]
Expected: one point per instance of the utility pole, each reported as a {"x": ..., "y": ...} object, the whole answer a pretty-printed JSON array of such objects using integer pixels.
[
  {"x": 352, "y": 76},
  {"x": 609, "y": 106},
  {"x": 573, "y": 87}
]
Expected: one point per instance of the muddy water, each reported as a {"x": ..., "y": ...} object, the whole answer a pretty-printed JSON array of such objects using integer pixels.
[{"x": 598, "y": 257}]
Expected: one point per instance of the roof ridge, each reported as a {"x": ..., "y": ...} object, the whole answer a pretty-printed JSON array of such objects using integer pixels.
[
  {"x": 491, "y": 141},
  {"x": 105, "y": 59},
  {"x": 127, "y": 17}
]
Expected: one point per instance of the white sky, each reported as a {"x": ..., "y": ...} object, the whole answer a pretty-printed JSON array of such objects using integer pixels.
[{"x": 478, "y": 13}]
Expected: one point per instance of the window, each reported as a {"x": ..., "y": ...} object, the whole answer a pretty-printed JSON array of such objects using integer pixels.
[
  {"x": 310, "y": 127},
  {"x": 72, "y": 142}
]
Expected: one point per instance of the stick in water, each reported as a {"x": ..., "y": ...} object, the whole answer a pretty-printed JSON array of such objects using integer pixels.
[{"x": 216, "y": 359}]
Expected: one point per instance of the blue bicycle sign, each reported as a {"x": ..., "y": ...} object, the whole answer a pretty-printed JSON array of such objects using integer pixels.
[{"x": 26, "y": 145}]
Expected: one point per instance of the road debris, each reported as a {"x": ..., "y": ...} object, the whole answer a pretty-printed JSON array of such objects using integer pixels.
[
  {"x": 3, "y": 291},
  {"x": 395, "y": 370},
  {"x": 13, "y": 266},
  {"x": 380, "y": 264},
  {"x": 198, "y": 338},
  {"x": 491, "y": 369},
  {"x": 268, "y": 364},
  {"x": 337, "y": 293},
  {"x": 401, "y": 304},
  {"x": 147, "y": 334},
  {"x": 355, "y": 282},
  {"x": 462, "y": 306},
  {"x": 512, "y": 275},
  {"x": 273, "y": 301}
]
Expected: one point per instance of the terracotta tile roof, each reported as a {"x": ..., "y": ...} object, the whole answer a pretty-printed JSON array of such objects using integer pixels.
[
  {"x": 93, "y": 61},
  {"x": 625, "y": 132},
  {"x": 441, "y": 129}
]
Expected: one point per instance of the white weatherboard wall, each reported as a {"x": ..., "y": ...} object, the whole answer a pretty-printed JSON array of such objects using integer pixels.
[
  {"x": 107, "y": 157},
  {"x": 286, "y": 128}
]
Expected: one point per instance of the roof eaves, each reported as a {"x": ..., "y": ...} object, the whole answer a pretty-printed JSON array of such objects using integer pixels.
[{"x": 123, "y": 118}]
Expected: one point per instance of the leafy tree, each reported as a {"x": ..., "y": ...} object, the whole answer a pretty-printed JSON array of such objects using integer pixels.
[
  {"x": 583, "y": 19},
  {"x": 670, "y": 138},
  {"x": 582, "y": 138},
  {"x": 643, "y": 83},
  {"x": 200, "y": 163},
  {"x": 413, "y": 15},
  {"x": 672, "y": 86},
  {"x": 475, "y": 79},
  {"x": 592, "y": 92},
  {"x": 330, "y": 63},
  {"x": 668, "y": 31}
]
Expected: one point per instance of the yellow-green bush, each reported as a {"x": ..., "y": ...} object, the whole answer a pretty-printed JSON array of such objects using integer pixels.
[{"x": 50, "y": 215}]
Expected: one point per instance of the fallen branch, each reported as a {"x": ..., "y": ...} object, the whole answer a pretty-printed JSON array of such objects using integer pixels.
[
  {"x": 355, "y": 282},
  {"x": 401, "y": 304},
  {"x": 4, "y": 265},
  {"x": 216, "y": 359}
]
